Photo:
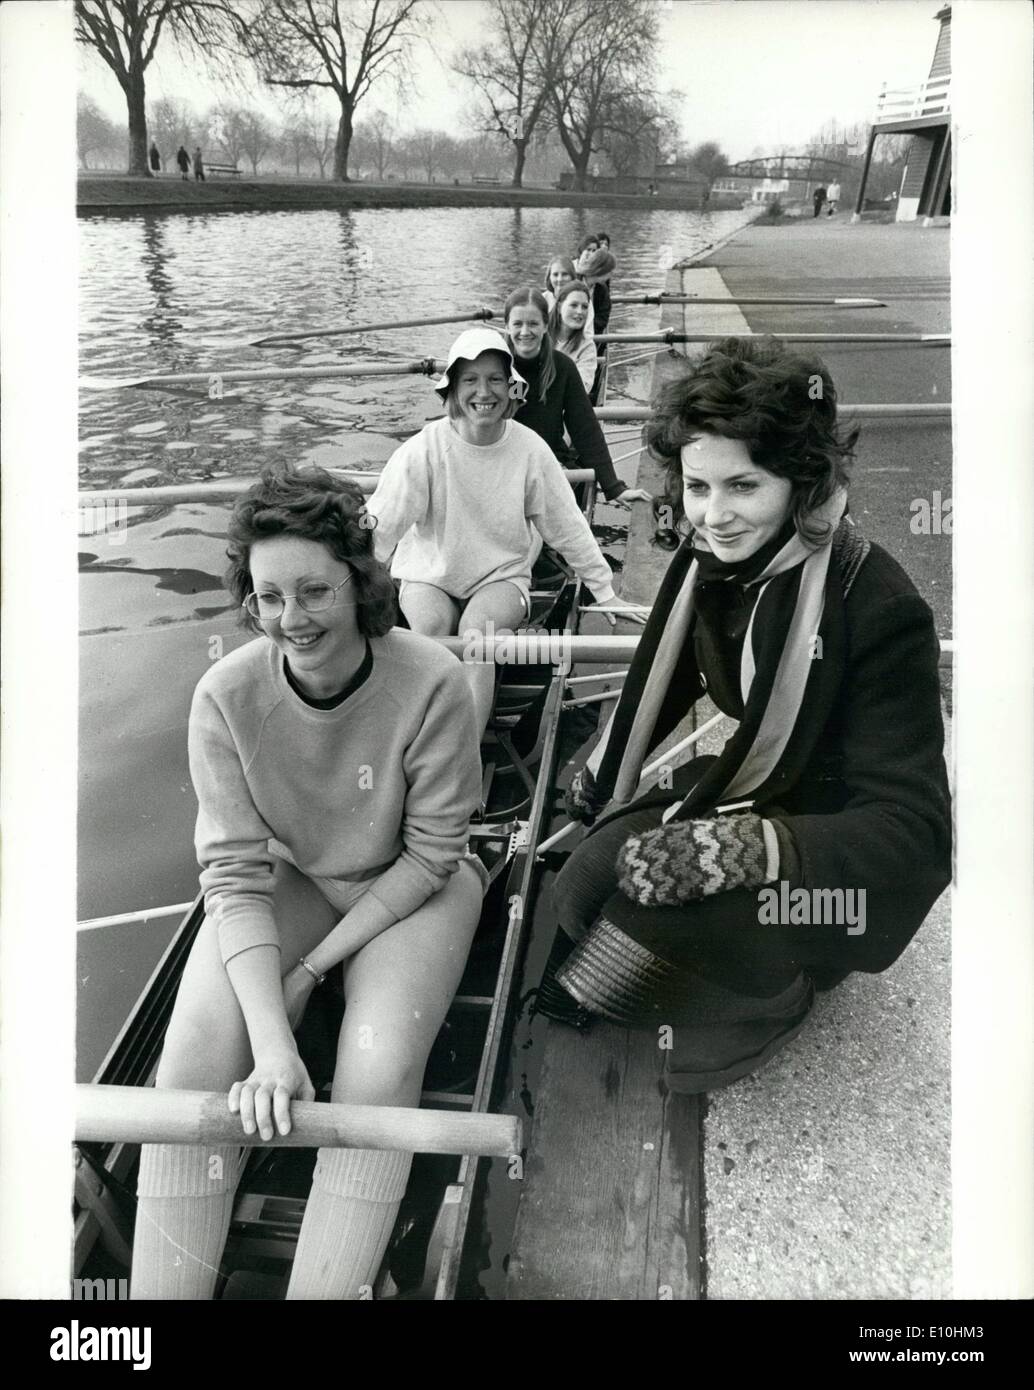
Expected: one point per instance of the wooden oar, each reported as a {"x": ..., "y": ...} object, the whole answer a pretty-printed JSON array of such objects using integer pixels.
[
  {"x": 737, "y": 299},
  {"x": 142, "y": 1115},
  {"x": 281, "y": 338},
  {"x": 942, "y": 410},
  {"x": 913, "y": 339},
  {"x": 228, "y": 489},
  {"x": 422, "y": 366}
]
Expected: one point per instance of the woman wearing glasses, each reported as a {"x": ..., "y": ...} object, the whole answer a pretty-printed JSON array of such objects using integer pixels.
[{"x": 336, "y": 766}]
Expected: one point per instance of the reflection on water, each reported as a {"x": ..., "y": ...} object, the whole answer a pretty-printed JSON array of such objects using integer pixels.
[{"x": 191, "y": 293}]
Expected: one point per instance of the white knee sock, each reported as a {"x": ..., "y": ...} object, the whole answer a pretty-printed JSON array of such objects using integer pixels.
[
  {"x": 348, "y": 1220},
  {"x": 184, "y": 1203}
]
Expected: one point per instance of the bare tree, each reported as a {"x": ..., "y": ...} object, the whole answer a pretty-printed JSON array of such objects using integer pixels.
[
  {"x": 226, "y": 125},
  {"x": 511, "y": 74},
  {"x": 125, "y": 34},
  {"x": 171, "y": 124},
  {"x": 257, "y": 137},
  {"x": 322, "y": 136},
  {"x": 709, "y": 162},
  {"x": 639, "y": 133},
  {"x": 378, "y": 133},
  {"x": 432, "y": 150},
  {"x": 294, "y": 141},
  {"x": 601, "y": 54},
  {"x": 343, "y": 45},
  {"x": 94, "y": 132}
]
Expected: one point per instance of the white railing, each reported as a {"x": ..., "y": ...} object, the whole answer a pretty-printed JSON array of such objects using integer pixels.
[{"x": 931, "y": 98}]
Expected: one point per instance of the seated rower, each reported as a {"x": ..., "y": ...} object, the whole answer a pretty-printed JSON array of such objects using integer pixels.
[
  {"x": 816, "y": 842},
  {"x": 335, "y": 761},
  {"x": 557, "y": 402},
  {"x": 594, "y": 266},
  {"x": 560, "y": 272},
  {"x": 458, "y": 507},
  {"x": 567, "y": 330}
]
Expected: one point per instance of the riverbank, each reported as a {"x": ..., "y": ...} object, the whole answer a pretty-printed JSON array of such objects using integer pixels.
[{"x": 119, "y": 194}]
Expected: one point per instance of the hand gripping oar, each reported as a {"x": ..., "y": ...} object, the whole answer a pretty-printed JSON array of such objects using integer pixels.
[
  {"x": 142, "y": 1115},
  {"x": 423, "y": 366},
  {"x": 281, "y": 338}
]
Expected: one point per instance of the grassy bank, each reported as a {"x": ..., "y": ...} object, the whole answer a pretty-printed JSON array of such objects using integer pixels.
[{"x": 104, "y": 193}]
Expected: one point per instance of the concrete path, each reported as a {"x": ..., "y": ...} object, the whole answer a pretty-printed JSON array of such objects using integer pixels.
[{"x": 827, "y": 1174}]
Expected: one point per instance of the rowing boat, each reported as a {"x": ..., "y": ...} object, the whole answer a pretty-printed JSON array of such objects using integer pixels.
[
  {"x": 603, "y": 1125},
  {"x": 425, "y": 1258}
]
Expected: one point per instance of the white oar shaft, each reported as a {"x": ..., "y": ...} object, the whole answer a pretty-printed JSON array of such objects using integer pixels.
[
  {"x": 229, "y": 489},
  {"x": 664, "y": 760},
  {"x": 215, "y": 380},
  {"x": 142, "y": 1115},
  {"x": 863, "y": 411}
]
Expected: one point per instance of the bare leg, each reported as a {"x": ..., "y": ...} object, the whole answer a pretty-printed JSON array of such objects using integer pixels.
[
  {"x": 428, "y": 609},
  {"x": 398, "y": 989},
  {"x": 502, "y": 605},
  {"x": 185, "y": 1192}
]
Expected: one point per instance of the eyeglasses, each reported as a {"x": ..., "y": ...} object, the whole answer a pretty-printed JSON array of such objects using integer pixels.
[{"x": 313, "y": 598}]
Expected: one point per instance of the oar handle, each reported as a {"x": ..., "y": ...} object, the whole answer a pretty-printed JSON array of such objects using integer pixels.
[{"x": 143, "y": 1115}]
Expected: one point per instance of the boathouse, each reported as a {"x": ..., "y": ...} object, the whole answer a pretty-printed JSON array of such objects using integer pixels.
[{"x": 925, "y": 113}]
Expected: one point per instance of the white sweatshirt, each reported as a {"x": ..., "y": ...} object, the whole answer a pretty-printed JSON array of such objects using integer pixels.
[{"x": 460, "y": 516}]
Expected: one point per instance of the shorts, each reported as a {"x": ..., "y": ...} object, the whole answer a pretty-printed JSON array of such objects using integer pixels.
[{"x": 522, "y": 585}]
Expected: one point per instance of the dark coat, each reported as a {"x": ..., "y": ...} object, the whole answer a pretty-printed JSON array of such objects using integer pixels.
[
  {"x": 567, "y": 406},
  {"x": 867, "y": 804}
]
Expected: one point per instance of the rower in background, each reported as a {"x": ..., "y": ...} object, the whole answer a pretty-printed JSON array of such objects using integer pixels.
[
  {"x": 567, "y": 329},
  {"x": 460, "y": 508},
  {"x": 556, "y": 401},
  {"x": 560, "y": 272}
]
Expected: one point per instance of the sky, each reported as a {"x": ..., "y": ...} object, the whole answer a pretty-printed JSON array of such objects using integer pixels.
[{"x": 755, "y": 74}]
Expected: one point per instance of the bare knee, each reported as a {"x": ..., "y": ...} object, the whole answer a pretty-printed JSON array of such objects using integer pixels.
[
  {"x": 384, "y": 1073},
  {"x": 203, "y": 1052}
]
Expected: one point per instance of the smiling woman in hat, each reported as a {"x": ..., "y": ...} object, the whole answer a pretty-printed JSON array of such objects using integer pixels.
[{"x": 458, "y": 505}]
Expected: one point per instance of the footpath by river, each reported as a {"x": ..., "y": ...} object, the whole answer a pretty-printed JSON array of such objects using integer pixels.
[{"x": 827, "y": 1174}]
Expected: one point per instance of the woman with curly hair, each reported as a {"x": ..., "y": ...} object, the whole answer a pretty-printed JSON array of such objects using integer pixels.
[
  {"x": 335, "y": 762},
  {"x": 817, "y": 840}
]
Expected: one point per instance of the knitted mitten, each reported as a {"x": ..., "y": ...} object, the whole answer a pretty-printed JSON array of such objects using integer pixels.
[
  {"x": 691, "y": 859},
  {"x": 582, "y": 801}
]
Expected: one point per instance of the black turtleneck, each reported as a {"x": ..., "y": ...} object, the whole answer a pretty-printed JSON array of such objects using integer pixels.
[
  {"x": 724, "y": 601},
  {"x": 567, "y": 407}
]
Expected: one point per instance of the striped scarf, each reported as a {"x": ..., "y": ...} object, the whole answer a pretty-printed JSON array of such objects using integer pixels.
[{"x": 791, "y": 669}]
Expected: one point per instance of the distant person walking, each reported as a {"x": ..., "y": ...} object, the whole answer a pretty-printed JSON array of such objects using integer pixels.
[
  {"x": 819, "y": 197},
  {"x": 199, "y": 168},
  {"x": 156, "y": 159},
  {"x": 183, "y": 160},
  {"x": 832, "y": 198}
]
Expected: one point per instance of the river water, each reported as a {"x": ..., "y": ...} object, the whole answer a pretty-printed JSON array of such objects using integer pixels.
[{"x": 183, "y": 293}]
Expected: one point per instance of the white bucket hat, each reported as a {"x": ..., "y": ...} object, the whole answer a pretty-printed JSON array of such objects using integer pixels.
[{"x": 470, "y": 345}]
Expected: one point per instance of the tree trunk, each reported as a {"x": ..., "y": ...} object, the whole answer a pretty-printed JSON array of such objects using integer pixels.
[
  {"x": 521, "y": 148},
  {"x": 134, "y": 92},
  {"x": 581, "y": 173},
  {"x": 342, "y": 145}
]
